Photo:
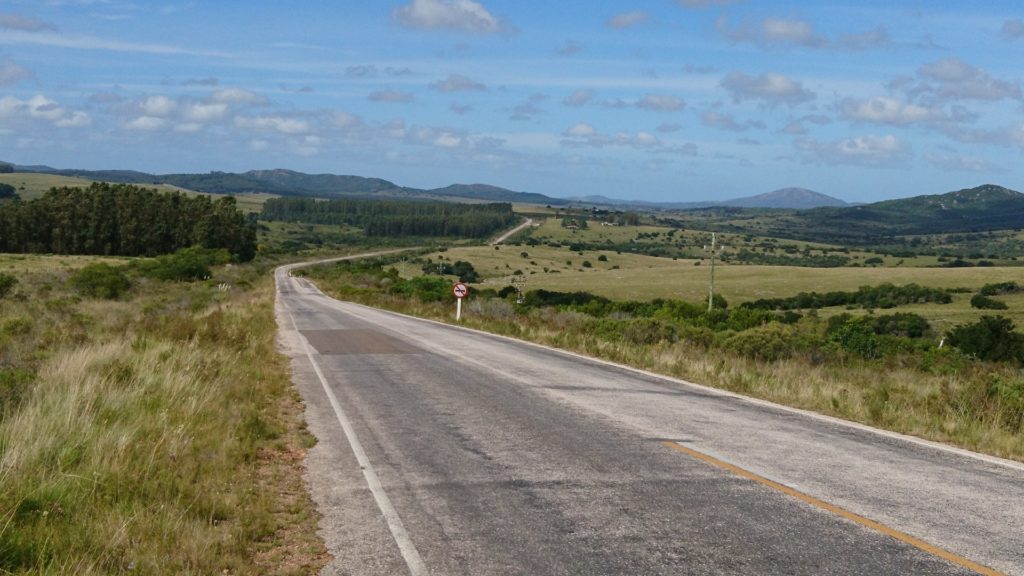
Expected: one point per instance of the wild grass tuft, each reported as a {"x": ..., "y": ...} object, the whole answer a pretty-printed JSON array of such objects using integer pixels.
[{"x": 150, "y": 438}]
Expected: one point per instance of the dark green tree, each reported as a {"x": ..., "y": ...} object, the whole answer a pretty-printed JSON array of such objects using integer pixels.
[{"x": 991, "y": 338}]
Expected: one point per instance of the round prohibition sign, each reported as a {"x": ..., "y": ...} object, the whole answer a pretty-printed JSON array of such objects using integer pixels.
[{"x": 460, "y": 290}]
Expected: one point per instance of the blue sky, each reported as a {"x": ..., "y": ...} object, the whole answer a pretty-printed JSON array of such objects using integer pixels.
[{"x": 667, "y": 100}]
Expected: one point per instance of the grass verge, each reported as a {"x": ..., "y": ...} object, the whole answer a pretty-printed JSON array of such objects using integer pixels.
[{"x": 155, "y": 435}]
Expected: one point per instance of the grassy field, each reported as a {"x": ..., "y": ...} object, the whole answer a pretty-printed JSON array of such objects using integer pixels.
[
  {"x": 636, "y": 277},
  {"x": 31, "y": 185},
  {"x": 687, "y": 243},
  {"x": 155, "y": 434}
]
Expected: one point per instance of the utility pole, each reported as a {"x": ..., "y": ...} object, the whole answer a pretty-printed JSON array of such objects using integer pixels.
[{"x": 711, "y": 291}]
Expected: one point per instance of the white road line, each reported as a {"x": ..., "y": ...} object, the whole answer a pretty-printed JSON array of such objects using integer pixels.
[{"x": 405, "y": 544}]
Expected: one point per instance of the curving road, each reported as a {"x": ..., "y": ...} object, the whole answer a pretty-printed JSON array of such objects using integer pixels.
[{"x": 448, "y": 451}]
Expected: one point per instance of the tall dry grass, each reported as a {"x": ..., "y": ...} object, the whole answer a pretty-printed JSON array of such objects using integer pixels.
[{"x": 162, "y": 436}]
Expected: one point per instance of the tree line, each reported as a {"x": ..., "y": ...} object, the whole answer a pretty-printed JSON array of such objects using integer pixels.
[
  {"x": 881, "y": 296},
  {"x": 124, "y": 220},
  {"x": 395, "y": 217}
]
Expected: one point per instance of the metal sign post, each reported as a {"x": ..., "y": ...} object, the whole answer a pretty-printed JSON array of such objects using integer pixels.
[{"x": 460, "y": 291}]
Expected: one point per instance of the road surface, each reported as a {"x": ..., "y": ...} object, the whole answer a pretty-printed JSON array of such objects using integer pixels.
[
  {"x": 506, "y": 235},
  {"x": 448, "y": 451}
]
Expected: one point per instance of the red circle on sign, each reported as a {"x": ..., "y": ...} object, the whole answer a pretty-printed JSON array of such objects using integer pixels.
[{"x": 460, "y": 290}]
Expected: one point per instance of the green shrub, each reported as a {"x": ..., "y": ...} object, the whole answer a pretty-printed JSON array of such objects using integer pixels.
[
  {"x": 7, "y": 283},
  {"x": 185, "y": 265},
  {"x": 430, "y": 288},
  {"x": 769, "y": 343},
  {"x": 982, "y": 302},
  {"x": 14, "y": 382},
  {"x": 991, "y": 338},
  {"x": 901, "y": 324},
  {"x": 855, "y": 335},
  {"x": 648, "y": 331},
  {"x": 101, "y": 281},
  {"x": 999, "y": 288}
]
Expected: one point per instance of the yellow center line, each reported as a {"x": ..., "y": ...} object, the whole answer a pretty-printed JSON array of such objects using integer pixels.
[{"x": 901, "y": 536}]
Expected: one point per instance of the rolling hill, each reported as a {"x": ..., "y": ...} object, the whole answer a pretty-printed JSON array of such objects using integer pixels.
[
  {"x": 786, "y": 198},
  {"x": 291, "y": 183},
  {"x": 980, "y": 209}
]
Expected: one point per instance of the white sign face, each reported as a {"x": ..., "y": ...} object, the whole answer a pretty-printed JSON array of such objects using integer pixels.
[{"x": 460, "y": 290}]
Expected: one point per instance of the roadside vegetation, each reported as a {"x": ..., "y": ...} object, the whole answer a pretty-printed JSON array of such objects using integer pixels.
[
  {"x": 887, "y": 367},
  {"x": 147, "y": 424}
]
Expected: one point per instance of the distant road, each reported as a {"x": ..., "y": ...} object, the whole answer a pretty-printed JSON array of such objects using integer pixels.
[
  {"x": 508, "y": 234},
  {"x": 447, "y": 451}
]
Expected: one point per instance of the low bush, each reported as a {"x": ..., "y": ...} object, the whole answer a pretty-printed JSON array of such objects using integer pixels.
[
  {"x": 7, "y": 283},
  {"x": 982, "y": 302},
  {"x": 185, "y": 265},
  {"x": 768, "y": 343},
  {"x": 101, "y": 281}
]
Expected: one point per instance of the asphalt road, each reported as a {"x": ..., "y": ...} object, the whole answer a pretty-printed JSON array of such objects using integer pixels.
[{"x": 447, "y": 451}]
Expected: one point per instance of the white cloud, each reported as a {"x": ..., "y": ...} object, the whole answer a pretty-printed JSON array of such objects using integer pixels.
[
  {"x": 157, "y": 106},
  {"x": 145, "y": 123},
  {"x": 202, "y": 112},
  {"x": 773, "y": 32},
  {"x": 528, "y": 109},
  {"x": 19, "y": 37},
  {"x": 237, "y": 96},
  {"x": 393, "y": 96},
  {"x": 259, "y": 145},
  {"x": 457, "y": 83},
  {"x": 344, "y": 120},
  {"x": 188, "y": 127},
  {"x": 885, "y": 110},
  {"x": 280, "y": 124},
  {"x": 867, "y": 151},
  {"x": 770, "y": 89},
  {"x": 795, "y": 127},
  {"x": 661, "y": 103},
  {"x": 361, "y": 71},
  {"x": 1013, "y": 29},
  {"x": 41, "y": 108},
  {"x": 581, "y": 130},
  {"x": 578, "y": 98},
  {"x": 76, "y": 119},
  {"x": 11, "y": 73},
  {"x": 459, "y": 15},
  {"x": 628, "y": 19},
  {"x": 876, "y": 38},
  {"x": 957, "y": 80},
  {"x": 23, "y": 23},
  {"x": 585, "y": 135},
  {"x": 780, "y": 30},
  {"x": 725, "y": 122}
]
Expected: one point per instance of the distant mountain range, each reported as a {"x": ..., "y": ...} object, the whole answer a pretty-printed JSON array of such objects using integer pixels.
[
  {"x": 984, "y": 208},
  {"x": 784, "y": 198},
  {"x": 292, "y": 183}
]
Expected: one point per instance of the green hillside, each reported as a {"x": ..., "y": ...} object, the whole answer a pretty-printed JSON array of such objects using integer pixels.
[{"x": 980, "y": 209}]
